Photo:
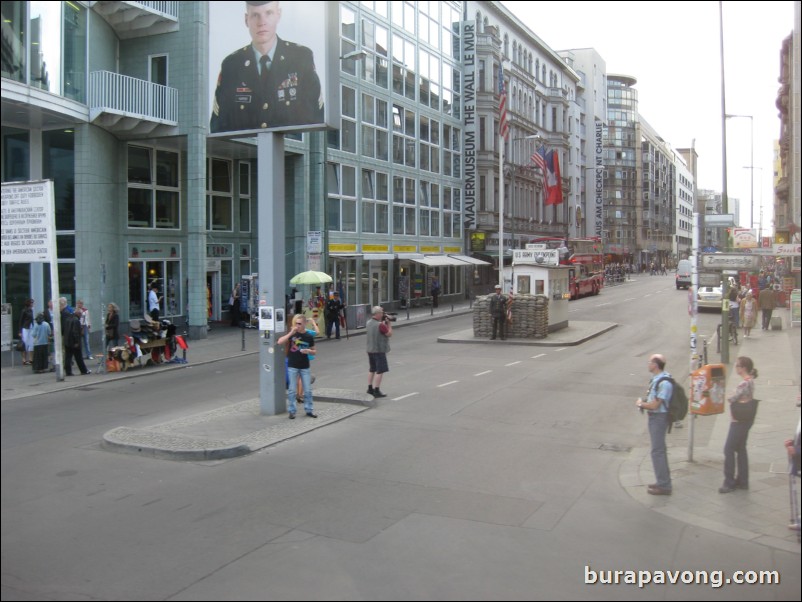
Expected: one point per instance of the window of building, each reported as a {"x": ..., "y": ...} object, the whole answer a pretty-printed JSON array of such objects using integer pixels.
[
  {"x": 58, "y": 164},
  {"x": 167, "y": 276},
  {"x": 374, "y": 202},
  {"x": 219, "y": 196},
  {"x": 341, "y": 197},
  {"x": 157, "y": 67},
  {"x": 404, "y": 138},
  {"x": 348, "y": 122},
  {"x": 404, "y": 76},
  {"x": 153, "y": 188},
  {"x": 244, "y": 196},
  {"x": 16, "y": 150}
]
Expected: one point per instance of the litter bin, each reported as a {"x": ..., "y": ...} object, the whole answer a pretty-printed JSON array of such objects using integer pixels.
[{"x": 708, "y": 384}]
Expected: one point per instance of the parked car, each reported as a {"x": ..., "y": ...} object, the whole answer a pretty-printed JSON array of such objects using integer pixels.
[{"x": 709, "y": 297}]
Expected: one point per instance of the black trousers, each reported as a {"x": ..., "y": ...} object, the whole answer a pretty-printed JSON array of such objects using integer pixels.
[{"x": 69, "y": 353}]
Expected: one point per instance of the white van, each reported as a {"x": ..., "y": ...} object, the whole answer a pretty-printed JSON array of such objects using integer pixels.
[{"x": 684, "y": 274}]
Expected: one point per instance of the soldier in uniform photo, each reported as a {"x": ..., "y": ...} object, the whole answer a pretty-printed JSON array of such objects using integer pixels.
[{"x": 269, "y": 83}]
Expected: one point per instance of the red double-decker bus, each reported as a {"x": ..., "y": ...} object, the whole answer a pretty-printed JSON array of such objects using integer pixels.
[{"x": 585, "y": 256}]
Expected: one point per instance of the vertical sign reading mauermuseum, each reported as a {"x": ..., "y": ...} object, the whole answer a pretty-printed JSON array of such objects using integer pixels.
[
  {"x": 469, "y": 112},
  {"x": 598, "y": 189},
  {"x": 27, "y": 235}
]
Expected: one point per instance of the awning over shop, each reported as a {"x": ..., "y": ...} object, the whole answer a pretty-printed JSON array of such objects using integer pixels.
[
  {"x": 411, "y": 256},
  {"x": 471, "y": 260},
  {"x": 439, "y": 261},
  {"x": 378, "y": 256}
]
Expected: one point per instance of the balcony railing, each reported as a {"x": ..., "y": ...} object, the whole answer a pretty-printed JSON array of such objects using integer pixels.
[
  {"x": 122, "y": 103},
  {"x": 132, "y": 97}
]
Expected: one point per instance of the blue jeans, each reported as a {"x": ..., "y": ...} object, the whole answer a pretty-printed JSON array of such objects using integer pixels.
[
  {"x": 736, "y": 445},
  {"x": 658, "y": 425},
  {"x": 306, "y": 382},
  {"x": 85, "y": 337}
]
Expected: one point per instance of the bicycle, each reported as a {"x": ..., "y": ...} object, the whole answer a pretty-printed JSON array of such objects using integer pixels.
[{"x": 733, "y": 331}]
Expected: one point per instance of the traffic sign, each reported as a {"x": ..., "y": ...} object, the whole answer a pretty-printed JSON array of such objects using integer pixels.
[{"x": 725, "y": 261}]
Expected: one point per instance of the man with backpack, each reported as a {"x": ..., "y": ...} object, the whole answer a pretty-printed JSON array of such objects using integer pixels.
[{"x": 658, "y": 398}]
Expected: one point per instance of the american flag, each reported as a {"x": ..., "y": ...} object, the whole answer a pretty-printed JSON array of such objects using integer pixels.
[
  {"x": 539, "y": 159},
  {"x": 503, "y": 126}
]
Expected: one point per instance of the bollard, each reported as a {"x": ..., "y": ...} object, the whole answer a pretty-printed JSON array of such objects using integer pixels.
[{"x": 243, "y": 339}]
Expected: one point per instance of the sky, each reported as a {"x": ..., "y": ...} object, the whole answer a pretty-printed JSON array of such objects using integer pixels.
[{"x": 673, "y": 50}]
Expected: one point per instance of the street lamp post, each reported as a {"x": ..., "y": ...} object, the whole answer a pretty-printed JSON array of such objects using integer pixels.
[{"x": 751, "y": 165}]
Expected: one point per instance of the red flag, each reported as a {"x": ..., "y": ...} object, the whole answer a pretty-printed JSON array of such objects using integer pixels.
[
  {"x": 549, "y": 163},
  {"x": 503, "y": 126},
  {"x": 555, "y": 182}
]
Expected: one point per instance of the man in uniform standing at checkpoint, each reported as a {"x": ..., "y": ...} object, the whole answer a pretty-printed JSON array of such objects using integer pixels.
[{"x": 268, "y": 83}]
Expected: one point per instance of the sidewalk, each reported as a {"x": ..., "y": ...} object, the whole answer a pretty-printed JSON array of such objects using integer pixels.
[{"x": 762, "y": 513}]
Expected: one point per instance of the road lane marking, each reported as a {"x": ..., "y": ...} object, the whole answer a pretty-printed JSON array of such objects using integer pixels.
[
  {"x": 451, "y": 382},
  {"x": 483, "y": 373},
  {"x": 405, "y": 396},
  {"x": 534, "y": 357},
  {"x": 603, "y": 304},
  {"x": 512, "y": 363}
]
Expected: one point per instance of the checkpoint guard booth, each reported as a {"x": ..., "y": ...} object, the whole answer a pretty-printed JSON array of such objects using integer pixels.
[{"x": 538, "y": 272}]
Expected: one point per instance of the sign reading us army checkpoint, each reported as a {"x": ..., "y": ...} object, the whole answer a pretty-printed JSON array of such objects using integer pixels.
[{"x": 723, "y": 261}]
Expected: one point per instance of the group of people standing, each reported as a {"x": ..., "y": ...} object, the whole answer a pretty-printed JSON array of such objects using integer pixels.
[
  {"x": 300, "y": 350},
  {"x": 744, "y": 307},
  {"x": 36, "y": 334},
  {"x": 742, "y": 408}
]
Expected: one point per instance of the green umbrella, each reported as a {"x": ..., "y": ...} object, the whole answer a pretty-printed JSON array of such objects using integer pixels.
[{"x": 311, "y": 277}]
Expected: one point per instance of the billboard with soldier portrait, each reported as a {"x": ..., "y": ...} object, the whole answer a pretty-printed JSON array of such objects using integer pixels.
[{"x": 273, "y": 66}]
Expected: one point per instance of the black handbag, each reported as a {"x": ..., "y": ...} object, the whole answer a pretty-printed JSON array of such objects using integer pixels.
[
  {"x": 744, "y": 412},
  {"x": 20, "y": 346}
]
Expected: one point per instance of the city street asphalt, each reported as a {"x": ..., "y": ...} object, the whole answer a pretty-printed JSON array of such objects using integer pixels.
[{"x": 759, "y": 515}]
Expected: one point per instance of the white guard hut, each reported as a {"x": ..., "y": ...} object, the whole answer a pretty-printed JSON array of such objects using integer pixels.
[{"x": 537, "y": 271}]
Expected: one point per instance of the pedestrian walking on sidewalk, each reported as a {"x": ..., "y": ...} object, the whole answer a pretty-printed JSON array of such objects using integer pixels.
[
  {"x": 41, "y": 342},
  {"x": 657, "y": 399},
  {"x": 748, "y": 313},
  {"x": 71, "y": 338},
  {"x": 743, "y": 408},
  {"x": 767, "y": 301},
  {"x": 379, "y": 331},
  {"x": 86, "y": 327}
]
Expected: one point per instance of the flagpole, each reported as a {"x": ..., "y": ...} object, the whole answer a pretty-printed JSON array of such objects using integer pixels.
[{"x": 501, "y": 211}]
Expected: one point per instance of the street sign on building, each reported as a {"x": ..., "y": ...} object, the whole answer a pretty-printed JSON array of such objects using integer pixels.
[{"x": 725, "y": 261}]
